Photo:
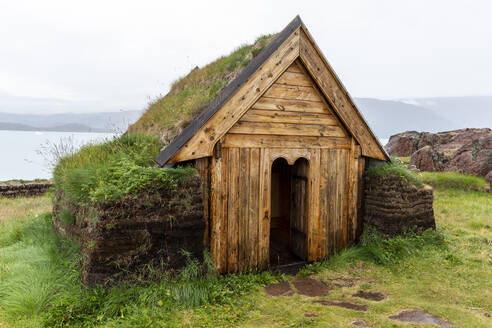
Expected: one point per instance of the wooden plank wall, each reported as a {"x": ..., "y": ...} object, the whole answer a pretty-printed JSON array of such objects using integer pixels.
[
  {"x": 291, "y": 120},
  {"x": 240, "y": 205}
]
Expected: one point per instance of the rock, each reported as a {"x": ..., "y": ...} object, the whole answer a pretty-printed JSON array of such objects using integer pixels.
[
  {"x": 488, "y": 178},
  {"x": 359, "y": 323},
  {"x": 372, "y": 296},
  {"x": 468, "y": 151},
  {"x": 428, "y": 159},
  {"x": 417, "y": 316},
  {"x": 279, "y": 289},
  {"x": 311, "y": 287},
  {"x": 310, "y": 315},
  {"x": 394, "y": 207}
]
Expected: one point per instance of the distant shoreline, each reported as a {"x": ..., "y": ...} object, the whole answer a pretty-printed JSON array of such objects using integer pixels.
[{"x": 74, "y": 127}]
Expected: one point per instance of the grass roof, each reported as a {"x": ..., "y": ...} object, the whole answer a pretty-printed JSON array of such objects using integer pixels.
[{"x": 166, "y": 117}]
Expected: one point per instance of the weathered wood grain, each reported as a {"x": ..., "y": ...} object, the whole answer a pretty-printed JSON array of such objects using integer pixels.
[
  {"x": 275, "y": 141},
  {"x": 270, "y": 116},
  {"x": 264, "y": 209},
  {"x": 292, "y": 92},
  {"x": 253, "y": 209},
  {"x": 233, "y": 210},
  {"x": 279, "y": 104},
  {"x": 287, "y": 129},
  {"x": 293, "y": 79}
]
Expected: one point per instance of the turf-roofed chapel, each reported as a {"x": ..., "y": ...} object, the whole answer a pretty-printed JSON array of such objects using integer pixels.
[{"x": 281, "y": 151}]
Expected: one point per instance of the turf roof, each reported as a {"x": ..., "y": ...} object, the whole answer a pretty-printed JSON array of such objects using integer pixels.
[{"x": 167, "y": 116}]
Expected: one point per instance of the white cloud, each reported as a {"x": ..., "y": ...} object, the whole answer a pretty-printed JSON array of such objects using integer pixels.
[{"x": 117, "y": 54}]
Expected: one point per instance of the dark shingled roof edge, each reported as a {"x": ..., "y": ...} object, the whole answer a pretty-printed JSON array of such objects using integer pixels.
[{"x": 226, "y": 93}]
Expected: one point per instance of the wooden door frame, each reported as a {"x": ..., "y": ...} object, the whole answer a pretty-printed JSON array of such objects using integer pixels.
[{"x": 291, "y": 155}]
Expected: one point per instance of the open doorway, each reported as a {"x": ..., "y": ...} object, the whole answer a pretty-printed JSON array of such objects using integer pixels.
[{"x": 288, "y": 212}]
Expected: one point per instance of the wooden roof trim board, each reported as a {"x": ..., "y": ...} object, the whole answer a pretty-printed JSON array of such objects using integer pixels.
[
  {"x": 199, "y": 137},
  {"x": 360, "y": 126}
]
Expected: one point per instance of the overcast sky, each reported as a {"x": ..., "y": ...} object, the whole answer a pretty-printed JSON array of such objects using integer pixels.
[{"x": 116, "y": 55}]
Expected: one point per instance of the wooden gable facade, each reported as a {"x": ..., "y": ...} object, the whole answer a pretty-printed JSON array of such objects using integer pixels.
[{"x": 281, "y": 154}]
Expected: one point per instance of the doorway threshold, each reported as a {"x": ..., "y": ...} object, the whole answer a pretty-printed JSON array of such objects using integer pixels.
[{"x": 289, "y": 269}]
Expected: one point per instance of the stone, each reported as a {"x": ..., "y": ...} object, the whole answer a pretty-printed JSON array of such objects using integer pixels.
[
  {"x": 311, "y": 315},
  {"x": 359, "y": 323},
  {"x": 279, "y": 289},
  {"x": 467, "y": 151},
  {"x": 311, "y": 287},
  {"x": 372, "y": 296},
  {"x": 428, "y": 159},
  {"x": 394, "y": 207},
  {"x": 417, "y": 316},
  {"x": 488, "y": 178}
]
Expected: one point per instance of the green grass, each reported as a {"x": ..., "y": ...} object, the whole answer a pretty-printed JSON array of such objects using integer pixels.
[
  {"x": 454, "y": 180},
  {"x": 446, "y": 273},
  {"x": 190, "y": 94},
  {"x": 109, "y": 171},
  {"x": 396, "y": 168}
]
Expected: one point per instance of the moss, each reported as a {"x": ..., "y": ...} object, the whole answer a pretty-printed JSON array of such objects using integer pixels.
[
  {"x": 399, "y": 169},
  {"x": 192, "y": 93}
]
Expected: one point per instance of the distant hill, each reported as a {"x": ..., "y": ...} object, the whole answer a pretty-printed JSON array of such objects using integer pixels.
[
  {"x": 70, "y": 127},
  {"x": 467, "y": 112},
  {"x": 70, "y": 122},
  {"x": 388, "y": 117}
]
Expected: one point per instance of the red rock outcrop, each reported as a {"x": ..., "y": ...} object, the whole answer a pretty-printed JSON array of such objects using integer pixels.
[
  {"x": 428, "y": 159},
  {"x": 467, "y": 151}
]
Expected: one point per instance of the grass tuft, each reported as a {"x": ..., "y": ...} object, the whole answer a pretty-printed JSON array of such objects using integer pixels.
[
  {"x": 443, "y": 180},
  {"x": 116, "y": 168},
  {"x": 399, "y": 169}
]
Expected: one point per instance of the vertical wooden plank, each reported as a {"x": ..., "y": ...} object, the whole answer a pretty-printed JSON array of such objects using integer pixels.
[
  {"x": 314, "y": 246},
  {"x": 243, "y": 204},
  {"x": 341, "y": 197},
  {"x": 253, "y": 219},
  {"x": 264, "y": 209},
  {"x": 324, "y": 194},
  {"x": 233, "y": 210},
  {"x": 224, "y": 209},
  {"x": 331, "y": 194},
  {"x": 347, "y": 224}
]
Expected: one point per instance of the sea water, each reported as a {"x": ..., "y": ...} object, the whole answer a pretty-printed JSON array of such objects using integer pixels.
[{"x": 23, "y": 153}]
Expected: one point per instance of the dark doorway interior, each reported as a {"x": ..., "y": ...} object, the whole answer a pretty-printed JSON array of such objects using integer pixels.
[{"x": 288, "y": 212}]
